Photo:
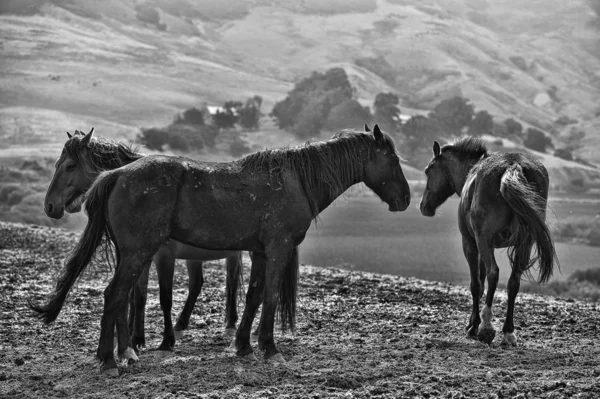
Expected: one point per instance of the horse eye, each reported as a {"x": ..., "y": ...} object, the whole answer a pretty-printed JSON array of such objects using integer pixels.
[{"x": 71, "y": 167}]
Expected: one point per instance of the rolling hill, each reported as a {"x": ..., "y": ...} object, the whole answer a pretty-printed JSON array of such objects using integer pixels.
[{"x": 120, "y": 65}]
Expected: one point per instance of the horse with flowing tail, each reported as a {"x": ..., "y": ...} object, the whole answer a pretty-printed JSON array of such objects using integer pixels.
[
  {"x": 262, "y": 203},
  {"x": 503, "y": 198},
  {"x": 83, "y": 158}
]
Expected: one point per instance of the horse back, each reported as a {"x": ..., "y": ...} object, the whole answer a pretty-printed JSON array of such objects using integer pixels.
[{"x": 482, "y": 207}]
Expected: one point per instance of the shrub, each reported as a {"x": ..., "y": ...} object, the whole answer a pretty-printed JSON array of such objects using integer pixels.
[
  {"x": 564, "y": 154},
  {"x": 482, "y": 123},
  {"x": 591, "y": 275},
  {"x": 513, "y": 128},
  {"x": 153, "y": 138},
  {"x": 349, "y": 114},
  {"x": 305, "y": 109},
  {"x": 387, "y": 111},
  {"x": 191, "y": 116},
  {"x": 453, "y": 114},
  {"x": 537, "y": 140}
]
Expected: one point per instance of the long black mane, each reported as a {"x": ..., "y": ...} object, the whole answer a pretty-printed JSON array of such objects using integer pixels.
[
  {"x": 468, "y": 146},
  {"x": 322, "y": 166},
  {"x": 103, "y": 154}
]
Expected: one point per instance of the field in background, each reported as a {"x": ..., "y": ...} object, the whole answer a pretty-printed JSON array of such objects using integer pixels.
[{"x": 359, "y": 233}]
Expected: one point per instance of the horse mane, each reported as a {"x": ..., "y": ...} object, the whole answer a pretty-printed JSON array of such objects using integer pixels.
[
  {"x": 103, "y": 153},
  {"x": 325, "y": 166},
  {"x": 467, "y": 145}
]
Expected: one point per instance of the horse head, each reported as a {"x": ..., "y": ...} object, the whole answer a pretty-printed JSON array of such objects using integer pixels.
[
  {"x": 383, "y": 174},
  {"x": 71, "y": 177}
]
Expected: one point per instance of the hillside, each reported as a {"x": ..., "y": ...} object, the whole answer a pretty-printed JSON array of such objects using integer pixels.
[
  {"x": 119, "y": 65},
  {"x": 358, "y": 335}
]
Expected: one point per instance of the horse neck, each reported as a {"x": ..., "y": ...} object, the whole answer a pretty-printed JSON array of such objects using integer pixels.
[
  {"x": 119, "y": 159},
  {"x": 344, "y": 173},
  {"x": 459, "y": 171}
]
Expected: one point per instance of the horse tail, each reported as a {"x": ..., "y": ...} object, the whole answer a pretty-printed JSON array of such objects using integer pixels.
[
  {"x": 96, "y": 234},
  {"x": 529, "y": 208},
  {"x": 288, "y": 292}
]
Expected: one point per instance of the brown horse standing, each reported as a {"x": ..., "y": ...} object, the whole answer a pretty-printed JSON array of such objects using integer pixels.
[
  {"x": 502, "y": 204},
  {"x": 263, "y": 203},
  {"x": 83, "y": 158}
]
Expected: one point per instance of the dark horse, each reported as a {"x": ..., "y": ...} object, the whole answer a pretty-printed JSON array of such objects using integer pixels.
[
  {"x": 502, "y": 205},
  {"x": 262, "y": 203},
  {"x": 83, "y": 158}
]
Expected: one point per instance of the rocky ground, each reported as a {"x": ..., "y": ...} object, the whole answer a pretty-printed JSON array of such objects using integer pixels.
[{"x": 358, "y": 335}]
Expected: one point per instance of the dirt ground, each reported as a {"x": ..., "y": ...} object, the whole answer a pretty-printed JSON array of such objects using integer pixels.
[{"x": 358, "y": 335}]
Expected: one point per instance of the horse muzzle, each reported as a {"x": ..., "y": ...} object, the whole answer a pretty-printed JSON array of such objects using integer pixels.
[
  {"x": 426, "y": 211},
  {"x": 53, "y": 211}
]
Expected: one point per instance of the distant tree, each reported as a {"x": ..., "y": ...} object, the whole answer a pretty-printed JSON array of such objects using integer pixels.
[
  {"x": 348, "y": 114},
  {"x": 250, "y": 113},
  {"x": 153, "y": 138},
  {"x": 387, "y": 111},
  {"x": 419, "y": 132},
  {"x": 191, "y": 116},
  {"x": 563, "y": 153},
  {"x": 305, "y": 109},
  {"x": 453, "y": 114},
  {"x": 513, "y": 128},
  {"x": 482, "y": 123},
  {"x": 227, "y": 118},
  {"x": 537, "y": 140}
]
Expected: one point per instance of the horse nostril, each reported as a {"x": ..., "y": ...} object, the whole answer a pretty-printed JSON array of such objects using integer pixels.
[
  {"x": 407, "y": 199},
  {"x": 50, "y": 207}
]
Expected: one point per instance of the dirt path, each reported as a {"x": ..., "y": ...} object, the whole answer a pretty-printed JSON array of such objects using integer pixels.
[{"x": 358, "y": 335}]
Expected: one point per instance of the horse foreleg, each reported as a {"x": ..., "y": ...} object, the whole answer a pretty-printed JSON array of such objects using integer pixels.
[
  {"x": 278, "y": 256},
  {"x": 126, "y": 349},
  {"x": 137, "y": 310},
  {"x": 165, "y": 266},
  {"x": 234, "y": 271},
  {"x": 115, "y": 311},
  {"x": 195, "y": 283},
  {"x": 486, "y": 331},
  {"x": 472, "y": 255},
  {"x": 253, "y": 300}
]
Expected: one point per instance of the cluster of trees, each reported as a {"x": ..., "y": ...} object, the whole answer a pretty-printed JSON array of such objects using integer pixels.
[
  {"x": 195, "y": 129},
  {"x": 320, "y": 101},
  {"x": 326, "y": 101}
]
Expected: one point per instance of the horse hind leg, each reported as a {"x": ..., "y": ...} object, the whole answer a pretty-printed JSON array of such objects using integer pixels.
[
  {"x": 195, "y": 283},
  {"x": 137, "y": 310},
  {"x": 514, "y": 283},
  {"x": 472, "y": 256},
  {"x": 486, "y": 331},
  {"x": 165, "y": 266}
]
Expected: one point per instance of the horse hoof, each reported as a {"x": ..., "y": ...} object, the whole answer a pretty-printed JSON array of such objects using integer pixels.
[
  {"x": 109, "y": 372},
  {"x": 486, "y": 335},
  {"x": 254, "y": 338},
  {"x": 508, "y": 341},
  {"x": 178, "y": 334},
  {"x": 129, "y": 357},
  {"x": 276, "y": 359},
  {"x": 250, "y": 357},
  {"x": 230, "y": 332},
  {"x": 164, "y": 354}
]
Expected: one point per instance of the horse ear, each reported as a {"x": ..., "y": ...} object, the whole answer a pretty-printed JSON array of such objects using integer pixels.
[
  {"x": 69, "y": 135},
  {"x": 436, "y": 148},
  {"x": 367, "y": 128},
  {"x": 377, "y": 133},
  {"x": 85, "y": 141}
]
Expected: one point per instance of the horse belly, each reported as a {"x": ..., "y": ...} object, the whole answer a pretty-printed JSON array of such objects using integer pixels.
[{"x": 184, "y": 251}]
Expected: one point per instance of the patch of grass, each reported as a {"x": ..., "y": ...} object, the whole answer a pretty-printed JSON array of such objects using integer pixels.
[{"x": 582, "y": 229}]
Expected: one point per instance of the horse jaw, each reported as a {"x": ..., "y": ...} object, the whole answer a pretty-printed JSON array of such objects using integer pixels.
[{"x": 75, "y": 205}]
